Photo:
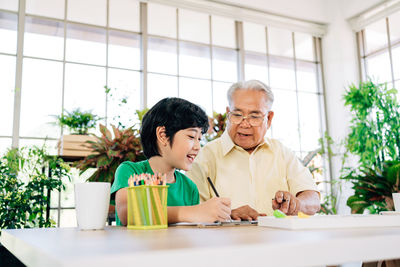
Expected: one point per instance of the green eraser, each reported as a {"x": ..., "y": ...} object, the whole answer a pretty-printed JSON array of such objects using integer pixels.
[{"x": 279, "y": 214}]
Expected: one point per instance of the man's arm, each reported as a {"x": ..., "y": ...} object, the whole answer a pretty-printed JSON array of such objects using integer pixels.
[{"x": 310, "y": 202}]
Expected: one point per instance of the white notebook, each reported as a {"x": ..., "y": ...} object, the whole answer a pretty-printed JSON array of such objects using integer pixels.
[{"x": 330, "y": 221}]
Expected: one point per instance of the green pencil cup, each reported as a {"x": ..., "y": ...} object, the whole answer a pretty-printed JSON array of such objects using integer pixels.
[{"x": 147, "y": 207}]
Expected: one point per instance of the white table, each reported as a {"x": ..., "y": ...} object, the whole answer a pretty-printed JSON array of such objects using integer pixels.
[{"x": 191, "y": 246}]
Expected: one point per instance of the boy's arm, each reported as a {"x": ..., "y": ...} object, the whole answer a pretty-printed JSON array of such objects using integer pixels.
[
  {"x": 215, "y": 209},
  {"x": 121, "y": 205}
]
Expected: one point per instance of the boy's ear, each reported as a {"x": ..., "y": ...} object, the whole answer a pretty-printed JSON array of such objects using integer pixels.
[{"x": 162, "y": 136}]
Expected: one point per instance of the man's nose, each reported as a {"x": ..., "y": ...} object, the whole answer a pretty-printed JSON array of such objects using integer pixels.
[{"x": 245, "y": 123}]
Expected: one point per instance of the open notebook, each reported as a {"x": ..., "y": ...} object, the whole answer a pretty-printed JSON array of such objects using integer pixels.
[{"x": 215, "y": 224}]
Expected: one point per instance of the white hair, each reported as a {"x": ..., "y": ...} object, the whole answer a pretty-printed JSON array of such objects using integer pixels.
[{"x": 252, "y": 85}]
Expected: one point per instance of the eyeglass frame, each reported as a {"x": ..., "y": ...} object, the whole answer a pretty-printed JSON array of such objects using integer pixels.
[{"x": 247, "y": 117}]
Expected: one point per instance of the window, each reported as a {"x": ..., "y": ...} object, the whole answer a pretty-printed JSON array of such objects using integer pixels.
[
  {"x": 72, "y": 49},
  {"x": 379, "y": 45}
]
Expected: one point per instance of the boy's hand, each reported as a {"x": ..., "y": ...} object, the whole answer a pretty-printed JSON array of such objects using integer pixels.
[{"x": 215, "y": 209}]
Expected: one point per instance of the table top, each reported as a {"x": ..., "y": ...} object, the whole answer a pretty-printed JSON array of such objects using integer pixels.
[{"x": 176, "y": 246}]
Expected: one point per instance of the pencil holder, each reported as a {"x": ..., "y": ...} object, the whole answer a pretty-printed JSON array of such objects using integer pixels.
[{"x": 147, "y": 207}]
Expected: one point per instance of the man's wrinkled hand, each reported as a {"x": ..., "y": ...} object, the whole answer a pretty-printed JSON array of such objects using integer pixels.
[
  {"x": 286, "y": 202},
  {"x": 245, "y": 213}
]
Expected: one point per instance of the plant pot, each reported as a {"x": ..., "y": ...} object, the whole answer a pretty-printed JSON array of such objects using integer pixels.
[{"x": 75, "y": 145}]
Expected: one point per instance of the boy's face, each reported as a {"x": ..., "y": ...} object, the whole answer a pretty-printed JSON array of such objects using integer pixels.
[{"x": 184, "y": 148}]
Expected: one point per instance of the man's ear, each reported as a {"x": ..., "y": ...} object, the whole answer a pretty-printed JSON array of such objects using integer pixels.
[
  {"x": 269, "y": 116},
  {"x": 162, "y": 136},
  {"x": 227, "y": 110}
]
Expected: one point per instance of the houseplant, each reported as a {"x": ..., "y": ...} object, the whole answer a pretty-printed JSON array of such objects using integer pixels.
[
  {"x": 374, "y": 139},
  {"x": 110, "y": 151},
  {"x": 217, "y": 126},
  {"x": 79, "y": 123},
  {"x": 24, "y": 186}
]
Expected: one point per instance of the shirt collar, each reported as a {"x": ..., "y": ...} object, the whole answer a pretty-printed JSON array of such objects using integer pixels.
[{"x": 228, "y": 145}]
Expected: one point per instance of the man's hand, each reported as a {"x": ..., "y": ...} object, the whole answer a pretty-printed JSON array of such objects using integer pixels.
[
  {"x": 245, "y": 213},
  {"x": 286, "y": 202}
]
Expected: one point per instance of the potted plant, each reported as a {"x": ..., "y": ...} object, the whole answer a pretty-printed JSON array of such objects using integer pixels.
[
  {"x": 217, "y": 126},
  {"x": 79, "y": 123},
  {"x": 109, "y": 151},
  {"x": 374, "y": 139},
  {"x": 25, "y": 188}
]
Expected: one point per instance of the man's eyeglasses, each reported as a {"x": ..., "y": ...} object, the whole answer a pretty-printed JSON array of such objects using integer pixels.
[{"x": 253, "y": 119}]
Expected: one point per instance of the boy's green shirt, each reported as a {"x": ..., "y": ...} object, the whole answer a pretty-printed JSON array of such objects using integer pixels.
[{"x": 181, "y": 193}]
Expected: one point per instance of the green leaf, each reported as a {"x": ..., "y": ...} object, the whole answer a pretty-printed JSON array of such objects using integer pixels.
[{"x": 103, "y": 161}]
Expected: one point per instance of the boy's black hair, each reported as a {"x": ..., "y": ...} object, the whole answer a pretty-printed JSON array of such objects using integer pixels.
[{"x": 174, "y": 114}]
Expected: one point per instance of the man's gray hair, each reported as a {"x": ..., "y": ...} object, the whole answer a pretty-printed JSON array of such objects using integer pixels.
[{"x": 252, "y": 85}]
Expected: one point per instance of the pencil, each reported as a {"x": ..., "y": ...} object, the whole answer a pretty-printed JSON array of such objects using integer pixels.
[
  {"x": 212, "y": 186},
  {"x": 215, "y": 191}
]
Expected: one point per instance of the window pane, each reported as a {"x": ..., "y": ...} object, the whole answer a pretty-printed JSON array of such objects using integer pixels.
[
  {"x": 50, "y": 145},
  {"x": 7, "y": 81},
  {"x": 307, "y": 76},
  {"x": 161, "y": 56},
  {"x": 196, "y": 91},
  {"x": 223, "y": 32},
  {"x": 86, "y": 44},
  {"x": 285, "y": 123},
  {"x": 397, "y": 86},
  {"x": 84, "y": 88},
  {"x": 224, "y": 64},
  {"x": 8, "y": 33},
  {"x": 5, "y": 144},
  {"x": 378, "y": 67},
  {"x": 47, "y": 8},
  {"x": 159, "y": 87},
  {"x": 125, "y": 14},
  {"x": 220, "y": 99},
  {"x": 282, "y": 73},
  {"x": 396, "y": 62},
  {"x": 41, "y": 98},
  {"x": 124, "y": 50},
  {"x": 310, "y": 121},
  {"x": 44, "y": 38},
  {"x": 124, "y": 99},
  {"x": 280, "y": 42},
  {"x": 161, "y": 20},
  {"x": 375, "y": 36},
  {"x": 68, "y": 218},
  {"x": 88, "y": 11},
  {"x": 54, "y": 213},
  {"x": 254, "y": 37},
  {"x": 194, "y": 26},
  {"x": 255, "y": 67},
  {"x": 394, "y": 21},
  {"x": 9, "y": 5},
  {"x": 194, "y": 60},
  {"x": 304, "y": 46}
]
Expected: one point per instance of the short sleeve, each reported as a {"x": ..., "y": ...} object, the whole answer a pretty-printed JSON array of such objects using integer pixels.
[
  {"x": 299, "y": 177},
  {"x": 122, "y": 174}
]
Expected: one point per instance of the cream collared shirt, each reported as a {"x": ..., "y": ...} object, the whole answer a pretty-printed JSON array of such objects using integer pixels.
[{"x": 249, "y": 179}]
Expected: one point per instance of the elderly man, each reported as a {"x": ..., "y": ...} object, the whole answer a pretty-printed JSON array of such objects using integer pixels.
[{"x": 258, "y": 174}]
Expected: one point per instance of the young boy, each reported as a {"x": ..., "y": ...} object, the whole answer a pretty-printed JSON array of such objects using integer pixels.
[{"x": 170, "y": 135}]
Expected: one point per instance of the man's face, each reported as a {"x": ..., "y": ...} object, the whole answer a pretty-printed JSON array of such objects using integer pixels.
[{"x": 249, "y": 103}]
